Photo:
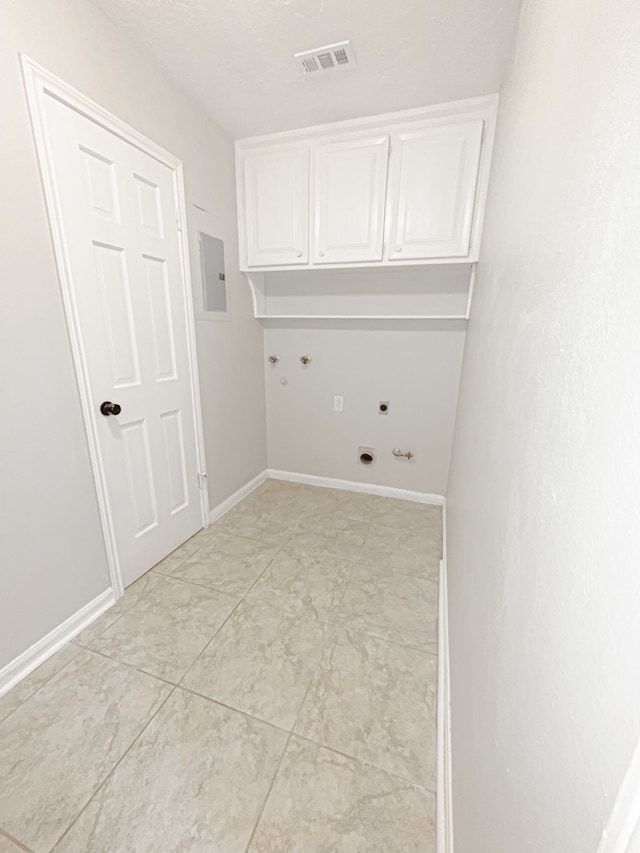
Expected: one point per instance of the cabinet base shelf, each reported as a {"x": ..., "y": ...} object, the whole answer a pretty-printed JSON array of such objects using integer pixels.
[
  {"x": 361, "y": 317},
  {"x": 436, "y": 296}
]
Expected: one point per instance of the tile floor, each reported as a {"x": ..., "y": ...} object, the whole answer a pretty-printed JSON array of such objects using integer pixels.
[{"x": 270, "y": 686}]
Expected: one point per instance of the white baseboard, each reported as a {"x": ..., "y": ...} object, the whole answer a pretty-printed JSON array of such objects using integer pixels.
[
  {"x": 444, "y": 813},
  {"x": 25, "y": 663},
  {"x": 352, "y": 486},
  {"x": 622, "y": 832},
  {"x": 236, "y": 497}
]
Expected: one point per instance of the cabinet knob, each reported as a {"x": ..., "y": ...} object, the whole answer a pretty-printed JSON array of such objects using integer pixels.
[
  {"x": 299, "y": 254},
  {"x": 398, "y": 248},
  {"x": 321, "y": 254}
]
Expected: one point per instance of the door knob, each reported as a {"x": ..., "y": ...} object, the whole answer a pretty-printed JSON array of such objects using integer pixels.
[{"x": 108, "y": 408}]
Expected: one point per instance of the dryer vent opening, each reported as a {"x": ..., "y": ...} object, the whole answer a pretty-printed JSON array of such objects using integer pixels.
[{"x": 366, "y": 455}]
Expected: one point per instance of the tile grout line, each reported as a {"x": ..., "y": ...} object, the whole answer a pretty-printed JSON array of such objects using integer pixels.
[
  {"x": 268, "y": 794},
  {"x": 233, "y": 709},
  {"x": 118, "y": 618},
  {"x": 240, "y": 601},
  {"x": 345, "y": 754},
  {"x": 295, "y": 722},
  {"x": 132, "y": 666},
  {"x": 13, "y": 840},
  {"x": 243, "y": 598},
  {"x": 353, "y": 564},
  {"x": 358, "y": 760},
  {"x": 115, "y": 766},
  {"x": 286, "y": 747},
  {"x": 198, "y": 584}
]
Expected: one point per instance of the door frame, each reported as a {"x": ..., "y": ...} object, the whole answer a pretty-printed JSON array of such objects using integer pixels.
[{"x": 39, "y": 84}]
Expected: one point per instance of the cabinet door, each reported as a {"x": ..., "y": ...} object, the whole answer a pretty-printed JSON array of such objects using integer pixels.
[
  {"x": 349, "y": 183},
  {"x": 433, "y": 178},
  {"x": 276, "y": 206}
]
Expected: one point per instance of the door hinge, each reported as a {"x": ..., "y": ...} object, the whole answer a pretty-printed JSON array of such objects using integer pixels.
[
  {"x": 178, "y": 220},
  {"x": 202, "y": 479}
]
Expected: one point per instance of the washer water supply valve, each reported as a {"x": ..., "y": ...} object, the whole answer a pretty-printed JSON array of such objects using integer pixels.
[{"x": 400, "y": 453}]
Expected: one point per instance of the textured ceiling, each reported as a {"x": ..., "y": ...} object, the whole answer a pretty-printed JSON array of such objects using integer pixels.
[{"x": 236, "y": 56}]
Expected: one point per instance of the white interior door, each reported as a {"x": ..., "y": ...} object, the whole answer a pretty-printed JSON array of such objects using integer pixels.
[
  {"x": 434, "y": 171},
  {"x": 350, "y": 180},
  {"x": 117, "y": 207},
  {"x": 276, "y": 206}
]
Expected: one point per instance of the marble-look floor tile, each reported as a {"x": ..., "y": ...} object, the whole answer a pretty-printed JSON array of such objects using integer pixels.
[
  {"x": 170, "y": 564},
  {"x": 376, "y": 701},
  {"x": 228, "y": 563},
  {"x": 194, "y": 781},
  {"x": 288, "y": 506},
  {"x": 35, "y": 680},
  {"x": 359, "y": 506},
  {"x": 132, "y": 595},
  {"x": 396, "y": 550},
  {"x": 253, "y": 520},
  {"x": 393, "y": 607},
  {"x": 261, "y": 662},
  {"x": 196, "y": 542},
  {"x": 273, "y": 487},
  {"x": 165, "y": 631},
  {"x": 64, "y": 740},
  {"x": 311, "y": 586},
  {"x": 341, "y": 537},
  {"x": 408, "y": 515},
  {"x": 187, "y": 549},
  {"x": 322, "y": 801}
]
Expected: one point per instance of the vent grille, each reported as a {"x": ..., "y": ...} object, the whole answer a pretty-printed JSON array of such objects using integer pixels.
[{"x": 333, "y": 57}]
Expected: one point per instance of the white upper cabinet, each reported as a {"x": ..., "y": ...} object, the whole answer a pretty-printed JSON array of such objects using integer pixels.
[
  {"x": 432, "y": 190},
  {"x": 348, "y": 198},
  {"x": 275, "y": 206},
  {"x": 404, "y": 189}
]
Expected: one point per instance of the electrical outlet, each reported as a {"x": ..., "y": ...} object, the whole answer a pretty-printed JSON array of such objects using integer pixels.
[{"x": 338, "y": 404}]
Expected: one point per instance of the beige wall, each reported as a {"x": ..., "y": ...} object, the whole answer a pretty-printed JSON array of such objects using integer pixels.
[
  {"x": 544, "y": 494},
  {"x": 417, "y": 371},
  {"x": 53, "y": 559}
]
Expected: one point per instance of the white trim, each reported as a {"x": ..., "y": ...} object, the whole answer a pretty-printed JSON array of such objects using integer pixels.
[
  {"x": 39, "y": 83},
  {"x": 219, "y": 510},
  {"x": 624, "y": 821},
  {"x": 352, "y": 486},
  {"x": 25, "y": 663},
  {"x": 444, "y": 816},
  {"x": 472, "y": 281}
]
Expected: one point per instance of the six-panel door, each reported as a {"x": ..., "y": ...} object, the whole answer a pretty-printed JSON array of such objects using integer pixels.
[
  {"x": 276, "y": 206},
  {"x": 117, "y": 208},
  {"x": 349, "y": 186},
  {"x": 432, "y": 189}
]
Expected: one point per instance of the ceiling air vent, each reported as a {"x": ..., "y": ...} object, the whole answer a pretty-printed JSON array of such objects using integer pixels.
[{"x": 333, "y": 57}]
